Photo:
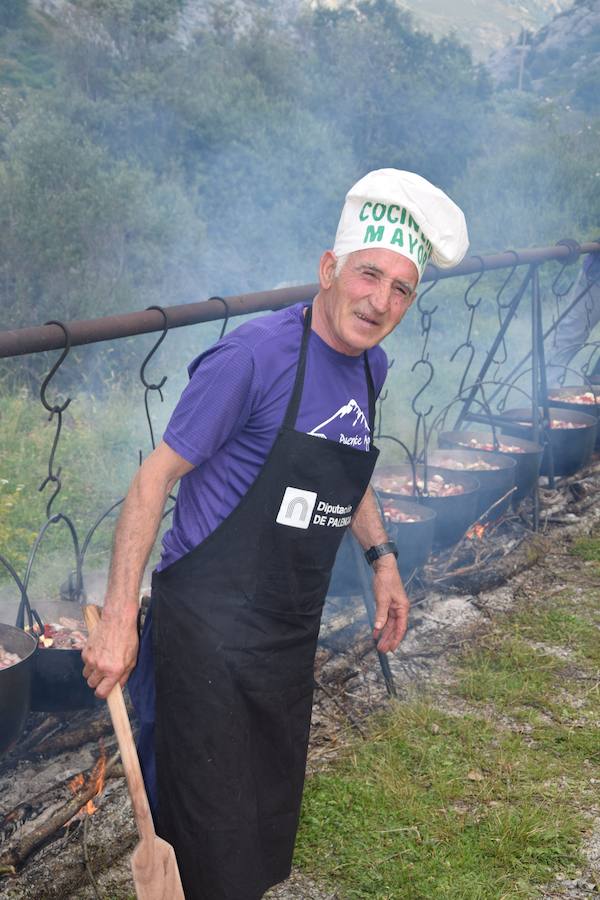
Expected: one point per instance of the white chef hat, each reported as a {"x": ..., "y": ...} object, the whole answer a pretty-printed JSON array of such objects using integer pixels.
[{"x": 404, "y": 212}]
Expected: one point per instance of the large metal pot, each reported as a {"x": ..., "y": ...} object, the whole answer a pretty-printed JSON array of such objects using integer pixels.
[
  {"x": 413, "y": 539},
  {"x": 494, "y": 482},
  {"x": 572, "y": 448},
  {"x": 454, "y": 514},
  {"x": 58, "y": 683},
  {"x": 15, "y": 684},
  {"x": 528, "y": 458},
  {"x": 559, "y": 397}
]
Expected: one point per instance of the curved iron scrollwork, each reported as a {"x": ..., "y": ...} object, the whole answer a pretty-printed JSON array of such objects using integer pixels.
[
  {"x": 472, "y": 307},
  {"x": 589, "y": 366},
  {"x": 227, "y": 313},
  {"x": 152, "y": 386},
  {"x": 561, "y": 292},
  {"x": 55, "y": 409},
  {"x": 424, "y": 362},
  {"x": 500, "y": 308}
]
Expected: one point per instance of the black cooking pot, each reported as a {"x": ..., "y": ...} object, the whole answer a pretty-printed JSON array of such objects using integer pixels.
[
  {"x": 454, "y": 514},
  {"x": 572, "y": 447},
  {"x": 558, "y": 398},
  {"x": 493, "y": 483},
  {"x": 413, "y": 539},
  {"x": 528, "y": 461},
  {"x": 15, "y": 684},
  {"x": 58, "y": 683}
]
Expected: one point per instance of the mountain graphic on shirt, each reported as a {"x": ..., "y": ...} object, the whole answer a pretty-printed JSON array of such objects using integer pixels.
[{"x": 350, "y": 409}]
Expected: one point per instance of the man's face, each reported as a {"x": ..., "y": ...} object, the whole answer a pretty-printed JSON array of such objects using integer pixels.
[{"x": 366, "y": 301}]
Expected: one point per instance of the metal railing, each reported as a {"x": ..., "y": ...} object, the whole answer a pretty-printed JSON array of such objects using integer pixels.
[{"x": 471, "y": 390}]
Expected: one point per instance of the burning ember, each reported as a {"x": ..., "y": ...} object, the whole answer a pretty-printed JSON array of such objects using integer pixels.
[
  {"x": 97, "y": 779},
  {"x": 479, "y": 465},
  {"x": 403, "y": 484},
  {"x": 483, "y": 445},
  {"x": 588, "y": 398},
  {"x": 66, "y": 634},
  {"x": 391, "y": 513},
  {"x": 558, "y": 423},
  {"x": 8, "y": 659},
  {"x": 476, "y": 532}
]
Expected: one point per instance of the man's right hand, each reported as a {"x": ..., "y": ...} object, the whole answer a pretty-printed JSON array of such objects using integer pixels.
[{"x": 110, "y": 655}]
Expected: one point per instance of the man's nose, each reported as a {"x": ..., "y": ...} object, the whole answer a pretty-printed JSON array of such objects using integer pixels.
[{"x": 381, "y": 296}]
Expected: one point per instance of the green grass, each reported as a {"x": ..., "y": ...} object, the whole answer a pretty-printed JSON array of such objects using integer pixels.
[
  {"x": 470, "y": 807},
  {"x": 588, "y": 549},
  {"x": 438, "y": 806},
  {"x": 507, "y": 672},
  {"x": 98, "y": 456}
]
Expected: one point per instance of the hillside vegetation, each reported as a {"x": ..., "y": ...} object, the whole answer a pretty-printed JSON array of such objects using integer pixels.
[
  {"x": 562, "y": 59},
  {"x": 134, "y": 170}
]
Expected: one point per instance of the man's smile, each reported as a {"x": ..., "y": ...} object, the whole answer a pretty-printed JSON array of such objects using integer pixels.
[{"x": 364, "y": 318}]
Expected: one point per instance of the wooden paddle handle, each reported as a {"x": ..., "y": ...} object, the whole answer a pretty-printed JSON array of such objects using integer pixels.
[{"x": 129, "y": 757}]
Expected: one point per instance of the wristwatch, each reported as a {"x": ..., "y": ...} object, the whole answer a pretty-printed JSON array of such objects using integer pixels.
[{"x": 379, "y": 550}]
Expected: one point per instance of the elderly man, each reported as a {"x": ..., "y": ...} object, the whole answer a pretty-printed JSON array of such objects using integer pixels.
[{"x": 272, "y": 442}]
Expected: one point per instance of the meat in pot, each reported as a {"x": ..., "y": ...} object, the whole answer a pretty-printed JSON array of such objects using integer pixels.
[{"x": 8, "y": 659}]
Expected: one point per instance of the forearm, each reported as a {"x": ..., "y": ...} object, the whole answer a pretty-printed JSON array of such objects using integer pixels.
[
  {"x": 134, "y": 538},
  {"x": 391, "y": 614},
  {"x": 367, "y": 525}
]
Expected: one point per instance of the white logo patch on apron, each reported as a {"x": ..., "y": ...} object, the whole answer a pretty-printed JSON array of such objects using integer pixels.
[{"x": 296, "y": 508}]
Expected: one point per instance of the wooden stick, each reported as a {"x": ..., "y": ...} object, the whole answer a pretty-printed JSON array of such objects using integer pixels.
[{"x": 129, "y": 757}]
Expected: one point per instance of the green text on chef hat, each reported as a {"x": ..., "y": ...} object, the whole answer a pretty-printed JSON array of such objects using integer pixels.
[{"x": 391, "y": 225}]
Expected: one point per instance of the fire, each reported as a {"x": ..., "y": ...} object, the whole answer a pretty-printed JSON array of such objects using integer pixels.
[
  {"x": 477, "y": 531},
  {"x": 97, "y": 779}
]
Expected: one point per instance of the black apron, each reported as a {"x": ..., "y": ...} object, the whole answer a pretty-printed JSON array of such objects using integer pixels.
[{"x": 235, "y": 628}]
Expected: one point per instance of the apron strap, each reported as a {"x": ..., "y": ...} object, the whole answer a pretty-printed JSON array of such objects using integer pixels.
[
  {"x": 291, "y": 413},
  {"x": 371, "y": 396}
]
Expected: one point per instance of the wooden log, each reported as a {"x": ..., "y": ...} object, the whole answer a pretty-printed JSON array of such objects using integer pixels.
[
  {"x": 476, "y": 578},
  {"x": 39, "y": 731},
  {"x": 28, "y": 840},
  {"x": 56, "y": 871},
  {"x": 72, "y": 739},
  {"x": 33, "y": 806}
]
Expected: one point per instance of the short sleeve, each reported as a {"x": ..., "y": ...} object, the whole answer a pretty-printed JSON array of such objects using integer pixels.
[
  {"x": 216, "y": 403},
  {"x": 378, "y": 363}
]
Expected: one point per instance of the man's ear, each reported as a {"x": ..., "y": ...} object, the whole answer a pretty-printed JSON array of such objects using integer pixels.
[{"x": 327, "y": 266}]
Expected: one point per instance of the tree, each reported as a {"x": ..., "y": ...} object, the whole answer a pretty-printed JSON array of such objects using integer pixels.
[{"x": 12, "y": 13}]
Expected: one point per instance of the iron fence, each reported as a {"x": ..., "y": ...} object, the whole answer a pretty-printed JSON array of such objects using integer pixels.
[{"x": 473, "y": 395}]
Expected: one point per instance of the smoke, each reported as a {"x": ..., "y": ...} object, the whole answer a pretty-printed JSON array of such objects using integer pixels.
[{"x": 136, "y": 169}]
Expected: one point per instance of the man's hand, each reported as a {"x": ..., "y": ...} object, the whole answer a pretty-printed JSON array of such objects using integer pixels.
[
  {"x": 392, "y": 605},
  {"x": 110, "y": 654}
]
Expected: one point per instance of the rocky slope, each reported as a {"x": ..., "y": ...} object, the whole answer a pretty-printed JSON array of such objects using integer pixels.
[
  {"x": 484, "y": 27},
  {"x": 562, "y": 59}
]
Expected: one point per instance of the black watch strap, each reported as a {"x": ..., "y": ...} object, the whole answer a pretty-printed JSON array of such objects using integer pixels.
[{"x": 379, "y": 550}]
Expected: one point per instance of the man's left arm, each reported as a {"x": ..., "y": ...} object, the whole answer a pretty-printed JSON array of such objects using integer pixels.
[{"x": 391, "y": 616}]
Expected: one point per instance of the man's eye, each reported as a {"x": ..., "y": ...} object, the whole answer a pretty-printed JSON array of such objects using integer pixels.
[{"x": 402, "y": 291}]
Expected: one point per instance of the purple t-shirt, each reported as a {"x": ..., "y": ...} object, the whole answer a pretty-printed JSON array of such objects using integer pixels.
[{"x": 229, "y": 414}]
